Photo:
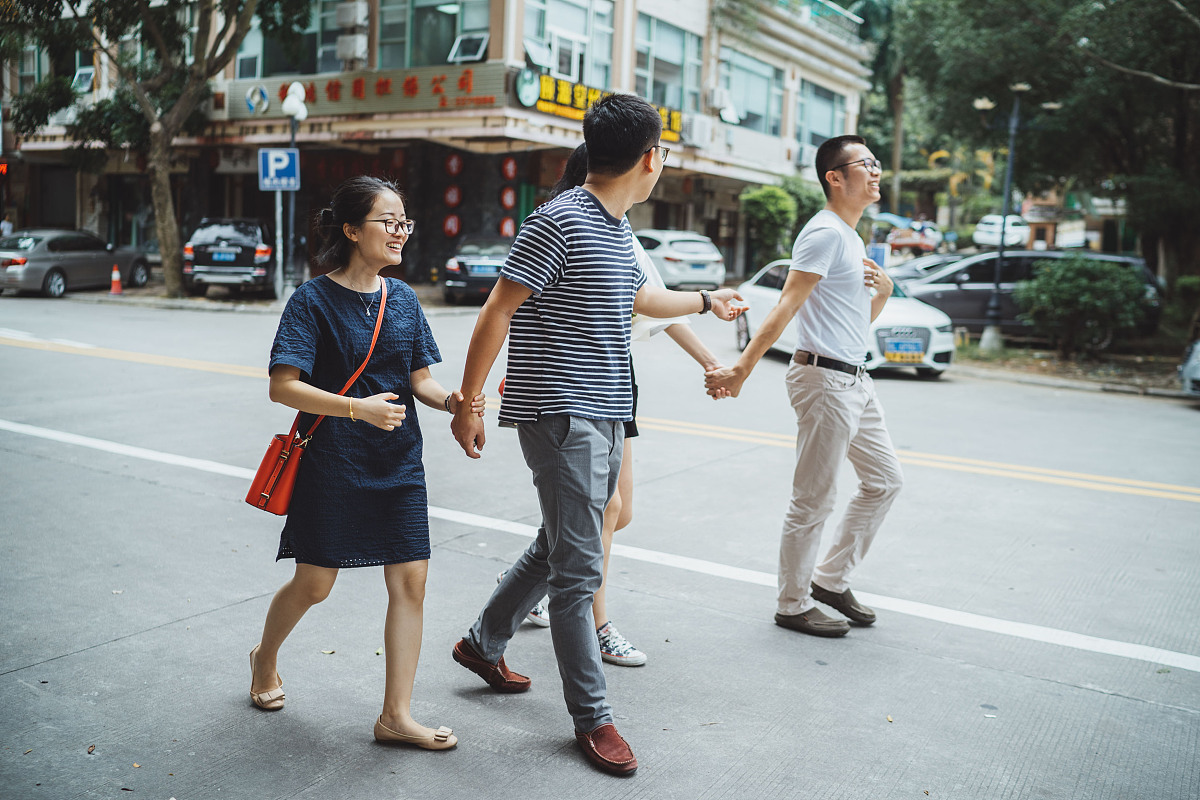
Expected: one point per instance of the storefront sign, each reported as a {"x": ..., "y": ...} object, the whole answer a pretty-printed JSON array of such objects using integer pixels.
[
  {"x": 563, "y": 98},
  {"x": 418, "y": 89}
]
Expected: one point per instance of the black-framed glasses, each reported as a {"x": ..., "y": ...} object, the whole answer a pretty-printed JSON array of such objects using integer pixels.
[
  {"x": 662, "y": 151},
  {"x": 394, "y": 226},
  {"x": 872, "y": 164}
]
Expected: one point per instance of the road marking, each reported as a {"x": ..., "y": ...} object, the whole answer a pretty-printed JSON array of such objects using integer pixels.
[
  {"x": 948, "y": 616},
  {"x": 1078, "y": 480}
]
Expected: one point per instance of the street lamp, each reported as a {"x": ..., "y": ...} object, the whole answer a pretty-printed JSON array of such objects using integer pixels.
[{"x": 293, "y": 105}]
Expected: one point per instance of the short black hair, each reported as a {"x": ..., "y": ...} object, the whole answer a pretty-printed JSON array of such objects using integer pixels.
[
  {"x": 831, "y": 153},
  {"x": 618, "y": 130},
  {"x": 351, "y": 202}
]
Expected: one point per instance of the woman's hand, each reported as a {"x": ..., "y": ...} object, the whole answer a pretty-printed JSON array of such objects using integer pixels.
[
  {"x": 478, "y": 403},
  {"x": 378, "y": 411}
]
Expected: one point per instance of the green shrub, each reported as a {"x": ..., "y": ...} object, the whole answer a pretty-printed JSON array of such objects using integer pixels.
[
  {"x": 1079, "y": 304},
  {"x": 771, "y": 213}
]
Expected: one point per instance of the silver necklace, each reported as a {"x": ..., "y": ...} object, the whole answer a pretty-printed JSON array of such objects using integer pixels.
[{"x": 367, "y": 305}]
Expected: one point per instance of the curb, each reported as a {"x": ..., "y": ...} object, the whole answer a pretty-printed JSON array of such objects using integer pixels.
[{"x": 1069, "y": 383}]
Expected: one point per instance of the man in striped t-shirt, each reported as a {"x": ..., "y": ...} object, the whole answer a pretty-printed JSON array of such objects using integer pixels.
[{"x": 565, "y": 299}]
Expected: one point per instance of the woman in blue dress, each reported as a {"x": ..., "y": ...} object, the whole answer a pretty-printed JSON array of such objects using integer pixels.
[{"x": 359, "y": 498}]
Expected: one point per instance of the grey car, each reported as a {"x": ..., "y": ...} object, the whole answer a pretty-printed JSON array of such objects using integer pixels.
[
  {"x": 1189, "y": 369},
  {"x": 54, "y": 261}
]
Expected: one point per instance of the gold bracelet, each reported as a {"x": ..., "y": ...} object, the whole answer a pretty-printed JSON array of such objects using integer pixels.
[{"x": 352, "y": 419}]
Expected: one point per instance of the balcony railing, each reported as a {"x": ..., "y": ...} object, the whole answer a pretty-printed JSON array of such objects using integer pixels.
[{"x": 828, "y": 17}]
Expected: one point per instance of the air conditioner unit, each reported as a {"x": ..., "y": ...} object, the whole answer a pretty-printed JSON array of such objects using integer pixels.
[
  {"x": 352, "y": 15},
  {"x": 806, "y": 155},
  {"x": 719, "y": 97},
  {"x": 697, "y": 130},
  {"x": 352, "y": 46}
]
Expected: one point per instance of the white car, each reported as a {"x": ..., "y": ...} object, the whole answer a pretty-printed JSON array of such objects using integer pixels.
[
  {"x": 987, "y": 231},
  {"x": 1189, "y": 370},
  {"x": 684, "y": 259},
  {"x": 907, "y": 333}
]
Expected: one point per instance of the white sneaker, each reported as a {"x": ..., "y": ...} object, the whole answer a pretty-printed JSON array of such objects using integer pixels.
[
  {"x": 616, "y": 649},
  {"x": 538, "y": 615}
]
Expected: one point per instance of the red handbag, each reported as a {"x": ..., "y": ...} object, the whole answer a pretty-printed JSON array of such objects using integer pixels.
[{"x": 271, "y": 489}]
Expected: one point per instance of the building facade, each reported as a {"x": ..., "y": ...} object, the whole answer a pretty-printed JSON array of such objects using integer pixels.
[{"x": 473, "y": 107}]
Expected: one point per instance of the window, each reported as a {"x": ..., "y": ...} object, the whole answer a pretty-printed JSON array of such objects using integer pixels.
[
  {"x": 571, "y": 39},
  {"x": 668, "y": 64},
  {"x": 774, "y": 277},
  {"x": 29, "y": 69},
  {"x": 249, "y": 57},
  {"x": 393, "y": 34},
  {"x": 756, "y": 88},
  {"x": 327, "y": 36},
  {"x": 820, "y": 114},
  {"x": 437, "y": 24}
]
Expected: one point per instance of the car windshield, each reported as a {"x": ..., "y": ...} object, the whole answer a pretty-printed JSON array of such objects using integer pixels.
[
  {"x": 485, "y": 247},
  {"x": 897, "y": 291},
  {"x": 695, "y": 246},
  {"x": 19, "y": 242},
  {"x": 238, "y": 230}
]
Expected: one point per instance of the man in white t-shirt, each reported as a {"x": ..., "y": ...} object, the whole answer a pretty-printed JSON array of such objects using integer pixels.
[{"x": 838, "y": 416}]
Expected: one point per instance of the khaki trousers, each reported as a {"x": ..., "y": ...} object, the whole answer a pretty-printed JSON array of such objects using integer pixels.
[{"x": 838, "y": 416}]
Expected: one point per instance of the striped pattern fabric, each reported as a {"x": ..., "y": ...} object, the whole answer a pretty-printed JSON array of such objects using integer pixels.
[{"x": 568, "y": 348}]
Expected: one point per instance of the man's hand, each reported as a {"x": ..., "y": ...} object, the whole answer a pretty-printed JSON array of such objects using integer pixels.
[
  {"x": 876, "y": 277},
  {"x": 377, "y": 411},
  {"x": 724, "y": 382},
  {"x": 468, "y": 430},
  {"x": 723, "y": 306}
]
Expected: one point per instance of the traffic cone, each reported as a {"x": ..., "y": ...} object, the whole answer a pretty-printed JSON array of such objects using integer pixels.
[{"x": 116, "y": 280}]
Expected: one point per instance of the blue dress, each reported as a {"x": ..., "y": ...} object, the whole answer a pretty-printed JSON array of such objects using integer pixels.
[{"x": 360, "y": 496}]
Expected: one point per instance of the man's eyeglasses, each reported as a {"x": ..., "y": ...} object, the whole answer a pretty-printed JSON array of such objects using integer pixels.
[
  {"x": 872, "y": 164},
  {"x": 662, "y": 151},
  {"x": 394, "y": 226}
]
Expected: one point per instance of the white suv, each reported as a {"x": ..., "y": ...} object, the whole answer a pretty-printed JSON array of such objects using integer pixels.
[
  {"x": 987, "y": 231},
  {"x": 684, "y": 259}
]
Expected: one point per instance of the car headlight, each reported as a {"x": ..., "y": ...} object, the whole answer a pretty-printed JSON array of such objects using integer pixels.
[{"x": 947, "y": 328}]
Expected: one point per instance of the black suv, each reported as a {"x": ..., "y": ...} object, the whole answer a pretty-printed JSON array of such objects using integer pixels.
[
  {"x": 229, "y": 252},
  {"x": 962, "y": 288}
]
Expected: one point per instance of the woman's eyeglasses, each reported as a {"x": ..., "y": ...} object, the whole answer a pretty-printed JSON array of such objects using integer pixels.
[{"x": 394, "y": 226}]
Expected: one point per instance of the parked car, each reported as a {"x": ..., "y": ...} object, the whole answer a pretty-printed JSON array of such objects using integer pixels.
[
  {"x": 229, "y": 252},
  {"x": 54, "y": 261},
  {"x": 921, "y": 238},
  {"x": 987, "y": 231},
  {"x": 1189, "y": 370},
  {"x": 963, "y": 288},
  {"x": 685, "y": 260},
  {"x": 921, "y": 265},
  {"x": 907, "y": 333},
  {"x": 473, "y": 269}
]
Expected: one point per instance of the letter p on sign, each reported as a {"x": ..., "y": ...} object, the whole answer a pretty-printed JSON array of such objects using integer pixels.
[{"x": 279, "y": 169}]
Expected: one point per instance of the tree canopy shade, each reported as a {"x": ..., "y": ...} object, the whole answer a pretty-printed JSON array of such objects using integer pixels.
[
  {"x": 1122, "y": 71},
  {"x": 180, "y": 46}
]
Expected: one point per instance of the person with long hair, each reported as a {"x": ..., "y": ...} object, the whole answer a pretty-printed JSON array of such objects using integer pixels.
[
  {"x": 360, "y": 498},
  {"x": 615, "y": 648}
]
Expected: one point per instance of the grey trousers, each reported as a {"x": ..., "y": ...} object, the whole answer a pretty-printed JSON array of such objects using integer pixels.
[{"x": 575, "y": 463}]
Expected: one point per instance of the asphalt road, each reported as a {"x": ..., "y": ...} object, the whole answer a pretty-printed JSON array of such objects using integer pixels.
[{"x": 1037, "y": 582}]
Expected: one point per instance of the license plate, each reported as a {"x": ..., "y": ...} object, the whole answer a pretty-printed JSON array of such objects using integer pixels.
[
  {"x": 223, "y": 256},
  {"x": 700, "y": 266},
  {"x": 904, "y": 351},
  {"x": 483, "y": 269}
]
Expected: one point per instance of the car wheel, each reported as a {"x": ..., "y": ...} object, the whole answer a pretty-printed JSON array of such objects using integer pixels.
[
  {"x": 54, "y": 284},
  {"x": 139, "y": 274},
  {"x": 928, "y": 373},
  {"x": 742, "y": 326}
]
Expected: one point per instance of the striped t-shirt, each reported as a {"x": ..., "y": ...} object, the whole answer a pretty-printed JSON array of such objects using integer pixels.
[{"x": 568, "y": 346}]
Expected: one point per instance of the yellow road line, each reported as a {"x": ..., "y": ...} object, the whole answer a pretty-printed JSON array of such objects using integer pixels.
[{"x": 1081, "y": 480}]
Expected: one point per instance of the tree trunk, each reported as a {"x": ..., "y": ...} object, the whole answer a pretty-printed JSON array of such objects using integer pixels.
[
  {"x": 169, "y": 246},
  {"x": 896, "y": 90}
]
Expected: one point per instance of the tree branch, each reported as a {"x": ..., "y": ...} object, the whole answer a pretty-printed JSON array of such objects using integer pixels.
[
  {"x": 143, "y": 99},
  {"x": 1190, "y": 87},
  {"x": 230, "y": 48},
  {"x": 1192, "y": 18}
]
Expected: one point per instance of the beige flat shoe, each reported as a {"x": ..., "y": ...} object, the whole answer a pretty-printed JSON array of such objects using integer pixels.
[
  {"x": 442, "y": 739},
  {"x": 267, "y": 701}
]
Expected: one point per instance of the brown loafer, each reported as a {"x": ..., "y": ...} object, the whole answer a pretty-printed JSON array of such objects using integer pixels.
[
  {"x": 814, "y": 622},
  {"x": 845, "y": 604},
  {"x": 605, "y": 748},
  {"x": 498, "y": 676}
]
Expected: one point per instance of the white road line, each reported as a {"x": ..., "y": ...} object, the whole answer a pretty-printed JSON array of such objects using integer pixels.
[{"x": 948, "y": 616}]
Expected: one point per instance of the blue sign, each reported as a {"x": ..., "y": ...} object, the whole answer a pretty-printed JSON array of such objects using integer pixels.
[
  {"x": 878, "y": 252},
  {"x": 279, "y": 169}
]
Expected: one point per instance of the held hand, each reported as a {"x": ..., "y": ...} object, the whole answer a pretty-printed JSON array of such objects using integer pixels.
[
  {"x": 720, "y": 392},
  {"x": 875, "y": 277},
  {"x": 723, "y": 306},
  {"x": 468, "y": 431},
  {"x": 724, "y": 382},
  {"x": 377, "y": 411},
  {"x": 478, "y": 403}
]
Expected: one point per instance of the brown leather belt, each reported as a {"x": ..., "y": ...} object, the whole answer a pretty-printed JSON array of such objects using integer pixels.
[{"x": 805, "y": 357}]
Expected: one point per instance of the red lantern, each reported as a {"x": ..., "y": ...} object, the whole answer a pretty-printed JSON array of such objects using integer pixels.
[
  {"x": 508, "y": 168},
  {"x": 452, "y": 196},
  {"x": 451, "y": 225},
  {"x": 508, "y": 227},
  {"x": 508, "y": 198},
  {"x": 454, "y": 164}
]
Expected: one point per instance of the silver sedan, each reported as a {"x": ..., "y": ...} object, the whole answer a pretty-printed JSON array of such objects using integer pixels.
[{"x": 53, "y": 261}]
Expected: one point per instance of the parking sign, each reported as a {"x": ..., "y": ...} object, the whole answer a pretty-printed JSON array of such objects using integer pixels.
[{"x": 279, "y": 169}]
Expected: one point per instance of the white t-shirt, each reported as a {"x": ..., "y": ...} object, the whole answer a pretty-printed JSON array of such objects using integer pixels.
[
  {"x": 836, "y": 318},
  {"x": 644, "y": 327}
]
